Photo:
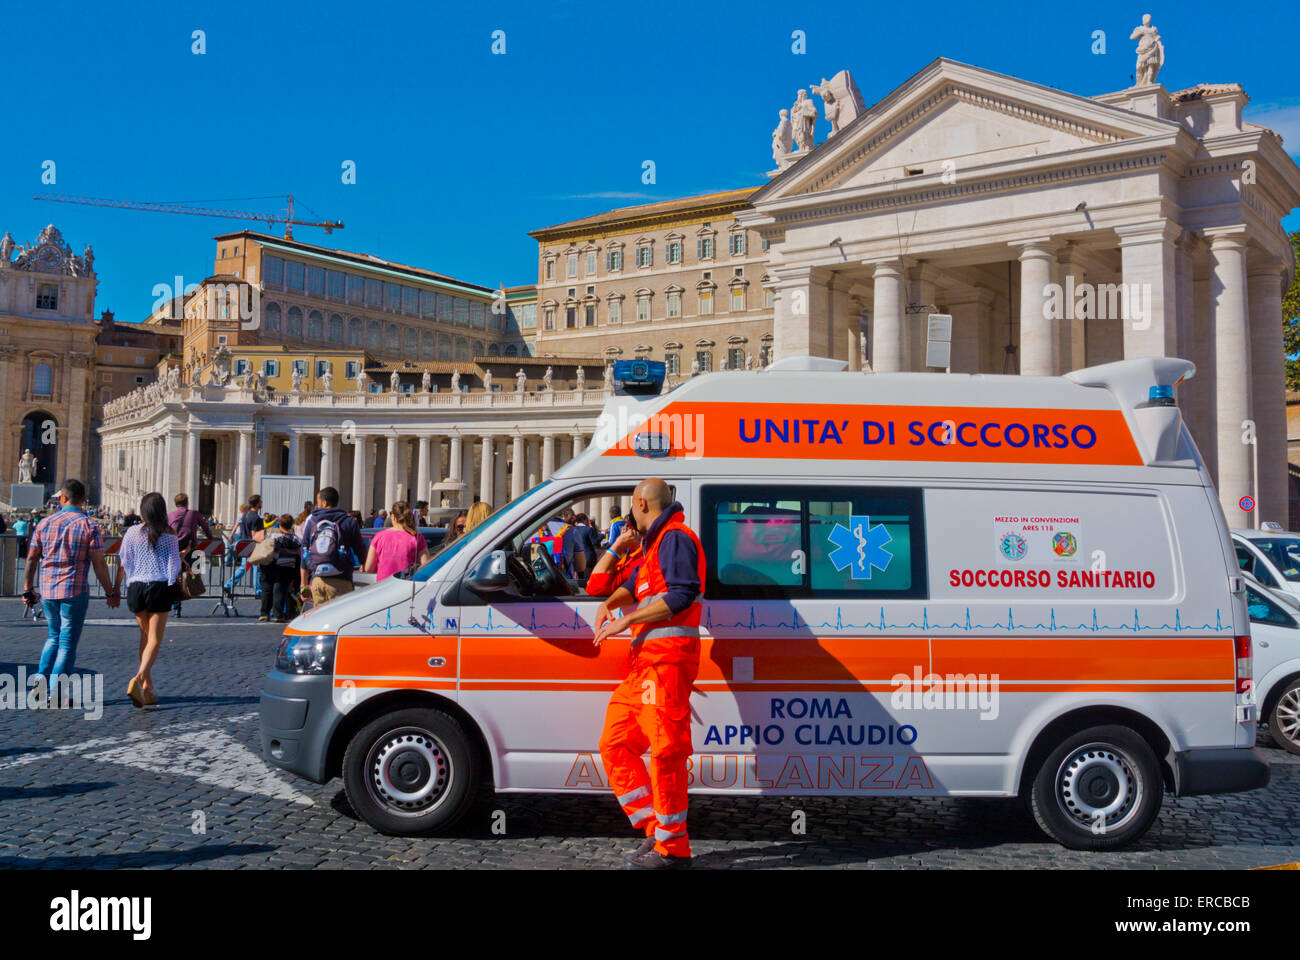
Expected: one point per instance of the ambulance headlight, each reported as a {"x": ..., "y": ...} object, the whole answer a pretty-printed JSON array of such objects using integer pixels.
[{"x": 306, "y": 654}]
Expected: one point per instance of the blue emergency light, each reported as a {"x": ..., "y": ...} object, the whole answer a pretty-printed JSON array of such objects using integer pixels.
[
  {"x": 1161, "y": 395},
  {"x": 639, "y": 376}
]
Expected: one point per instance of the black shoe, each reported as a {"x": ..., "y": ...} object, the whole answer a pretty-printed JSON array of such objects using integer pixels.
[
  {"x": 645, "y": 847},
  {"x": 657, "y": 861}
]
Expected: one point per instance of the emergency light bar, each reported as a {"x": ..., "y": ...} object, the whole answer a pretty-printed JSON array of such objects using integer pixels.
[{"x": 639, "y": 376}]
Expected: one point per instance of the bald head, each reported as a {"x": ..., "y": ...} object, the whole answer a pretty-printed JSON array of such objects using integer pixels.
[{"x": 650, "y": 498}]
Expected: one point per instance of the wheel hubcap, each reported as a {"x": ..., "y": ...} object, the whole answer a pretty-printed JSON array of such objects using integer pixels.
[
  {"x": 1098, "y": 787},
  {"x": 1288, "y": 715},
  {"x": 408, "y": 771}
]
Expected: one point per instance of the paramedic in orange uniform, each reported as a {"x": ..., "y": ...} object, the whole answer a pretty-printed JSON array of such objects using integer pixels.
[{"x": 651, "y": 708}]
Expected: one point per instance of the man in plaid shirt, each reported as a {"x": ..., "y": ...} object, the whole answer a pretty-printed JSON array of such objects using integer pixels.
[{"x": 64, "y": 547}]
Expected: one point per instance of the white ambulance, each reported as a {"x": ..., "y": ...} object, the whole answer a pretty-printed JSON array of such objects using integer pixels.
[{"x": 918, "y": 584}]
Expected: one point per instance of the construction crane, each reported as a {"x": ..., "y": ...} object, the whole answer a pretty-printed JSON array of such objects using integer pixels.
[{"x": 286, "y": 217}]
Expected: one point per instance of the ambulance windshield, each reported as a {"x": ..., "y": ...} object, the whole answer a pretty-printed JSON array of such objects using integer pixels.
[{"x": 443, "y": 556}]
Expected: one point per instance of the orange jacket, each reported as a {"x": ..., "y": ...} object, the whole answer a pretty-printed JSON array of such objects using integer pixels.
[{"x": 677, "y": 639}]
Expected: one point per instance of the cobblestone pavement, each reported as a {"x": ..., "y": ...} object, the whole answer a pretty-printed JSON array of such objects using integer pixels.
[{"x": 183, "y": 785}]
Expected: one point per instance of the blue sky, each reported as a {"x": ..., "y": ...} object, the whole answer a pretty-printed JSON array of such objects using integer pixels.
[{"x": 460, "y": 152}]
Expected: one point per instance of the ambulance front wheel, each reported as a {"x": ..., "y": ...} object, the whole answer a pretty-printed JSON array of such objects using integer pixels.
[
  {"x": 1099, "y": 790},
  {"x": 410, "y": 772}
]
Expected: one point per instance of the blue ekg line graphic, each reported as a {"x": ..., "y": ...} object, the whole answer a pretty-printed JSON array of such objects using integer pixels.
[
  {"x": 388, "y": 621},
  {"x": 578, "y": 625}
]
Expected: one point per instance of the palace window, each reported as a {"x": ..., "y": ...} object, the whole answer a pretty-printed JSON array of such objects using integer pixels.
[
  {"x": 549, "y": 319},
  {"x": 273, "y": 271},
  {"x": 735, "y": 358},
  {"x": 300, "y": 367},
  {"x": 271, "y": 318},
  {"x": 444, "y": 348},
  {"x": 461, "y": 307},
  {"x": 570, "y": 317},
  {"x": 706, "y": 303},
  {"x": 356, "y": 290},
  {"x": 270, "y": 368},
  {"x": 615, "y": 311},
  {"x": 336, "y": 285},
  {"x": 351, "y": 369},
  {"x": 428, "y": 345},
  {"x": 411, "y": 301},
  {"x": 550, "y": 269},
  {"x": 47, "y": 296},
  {"x": 294, "y": 273},
  {"x": 294, "y": 323},
  {"x": 322, "y": 368},
  {"x": 591, "y": 263},
  {"x": 428, "y": 304},
  {"x": 356, "y": 332},
  {"x": 674, "y": 305},
  {"x": 738, "y": 299},
  {"x": 589, "y": 314},
  {"x": 645, "y": 255},
  {"x": 315, "y": 326},
  {"x": 705, "y": 359},
  {"x": 477, "y": 314},
  {"x": 614, "y": 260},
  {"x": 410, "y": 341},
  {"x": 241, "y": 367},
  {"x": 528, "y": 316},
  {"x": 573, "y": 265},
  {"x": 336, "y": 328},
  {"x": 374, "y": 335},
  {"x": 374, "y": 293},
  {"x": 42, "y": 380},
  {"x": 643, "y": 307},
  {"x": 704, "y": 248},
  {"x": 393, "y": 297},
  {"x": 673, "y": 362},
  {"x": 316, "y": 281},
  {"x": 738, "y": 244},
  {"x": 673, "y": 252},
  {"x": 392, "y": 339}
]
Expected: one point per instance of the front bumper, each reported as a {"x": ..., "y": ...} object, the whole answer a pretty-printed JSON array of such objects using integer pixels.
[
  {"x": 298, "y": 719},
  {"x": 1219, "y": 770}
]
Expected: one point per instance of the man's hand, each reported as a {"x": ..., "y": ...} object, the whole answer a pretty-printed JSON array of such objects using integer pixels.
[
  {"x": 603, "y": 613},
  {"x": 627, "y": 539},
  {"x": 608, "y": 628}
]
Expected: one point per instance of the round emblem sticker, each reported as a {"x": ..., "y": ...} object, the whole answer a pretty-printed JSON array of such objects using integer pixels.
[
  {"x": 1064, "y": 544},
  {"x": 1013, "y": 546},
  {"x": 1247, "y": 503}
]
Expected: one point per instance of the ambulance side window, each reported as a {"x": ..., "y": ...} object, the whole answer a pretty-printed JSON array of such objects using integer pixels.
[{"x": 783, "y": 542}]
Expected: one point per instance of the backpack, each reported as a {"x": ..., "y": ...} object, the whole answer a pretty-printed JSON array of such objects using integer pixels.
[{"x": 324, "y": 552}]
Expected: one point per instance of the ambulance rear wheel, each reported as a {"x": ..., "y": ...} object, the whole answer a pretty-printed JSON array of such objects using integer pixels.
[
  {"x": 1099, "y": 790},
  {"x": 410, "y": 772}
]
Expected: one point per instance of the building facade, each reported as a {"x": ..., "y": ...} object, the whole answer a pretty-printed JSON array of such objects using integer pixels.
[
  {"x": 1058, "y": 231},
  {"x": 47, "y": 355},
  {"x": 680, "y": 281}
]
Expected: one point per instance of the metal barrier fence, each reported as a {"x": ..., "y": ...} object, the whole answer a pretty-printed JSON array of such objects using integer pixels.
[{"x": 218, "y": 561}]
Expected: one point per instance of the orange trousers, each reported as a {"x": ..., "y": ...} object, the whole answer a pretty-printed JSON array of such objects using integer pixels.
[{"x": 651, "y": 710}]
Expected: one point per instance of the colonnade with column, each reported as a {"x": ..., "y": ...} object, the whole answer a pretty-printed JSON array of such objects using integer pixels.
[{"x": 1212, "y": 295}]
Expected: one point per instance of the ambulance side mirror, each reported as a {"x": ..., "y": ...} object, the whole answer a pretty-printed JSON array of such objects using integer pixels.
[{"x": 489, "y": 574}]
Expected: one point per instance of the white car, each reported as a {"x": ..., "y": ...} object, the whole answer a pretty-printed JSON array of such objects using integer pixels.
[
  {"x": 1272, "y": 558},
  {"x": 1275, "y": 635}
]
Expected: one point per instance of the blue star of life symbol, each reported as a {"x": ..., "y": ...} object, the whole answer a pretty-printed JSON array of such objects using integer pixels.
[{"x": 860, "y": 546}]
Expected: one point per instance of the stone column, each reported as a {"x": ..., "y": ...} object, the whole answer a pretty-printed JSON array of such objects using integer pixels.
[
  {"x": 421, "y": 471},
  {"x": 173, "y": 469},
  {"x": 887, "y": 316},
  {"x": 1268, "y": 391},
  {"x": 518, "y": 467},
  {"x": 534, "y": 462},
  {"x": 242, "y": 463},
  {"x": 1201, "y": 387},
  {"x": 923, "y": 290},
  {"x": 390, "y": 472},
  {"x": 1071, "y": 341},
  {"x": 78, "y": 439},
  {"x": 435, "y": 471},
  {"x": 1148, "y": 254},
  {"x": 1037, "y": 332},
  {"x": 548, "y": 455},
  {"x": 486, "y": 471},
  {"x": 328, "y": 455},
  {"x": 970, "y": 312},
  {"x": 1229, "y": 313},
  {"x": 191, "y": 466},
  {"x": 360, "y": 455},
  {"x": 499, "y": 476},
  {"x": 295, "y": 453},
  {"x": 455, "y": 458},
  {"x": 800, "y": 316}
]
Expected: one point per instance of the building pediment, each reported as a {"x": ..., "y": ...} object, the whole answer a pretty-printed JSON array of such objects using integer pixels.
[{"x": 952, "y": 118}]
